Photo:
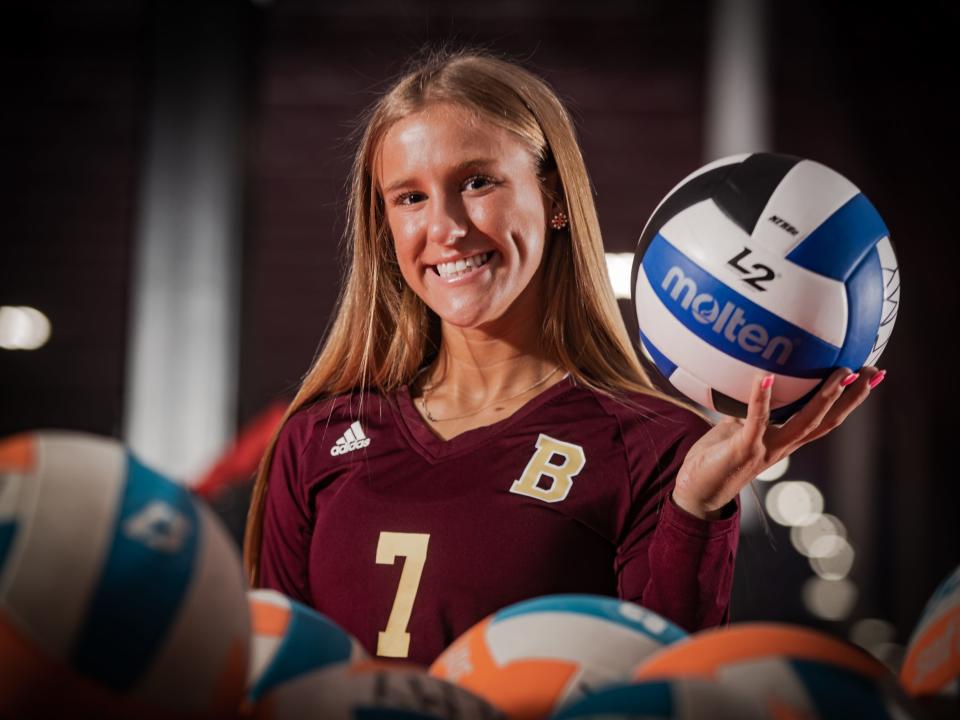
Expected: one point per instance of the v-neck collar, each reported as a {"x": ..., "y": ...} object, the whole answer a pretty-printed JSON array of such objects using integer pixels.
[{"x": 435, "y": 448}]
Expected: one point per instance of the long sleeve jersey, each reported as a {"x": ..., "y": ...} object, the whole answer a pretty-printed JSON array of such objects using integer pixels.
[{"x": 407, "y": 540}]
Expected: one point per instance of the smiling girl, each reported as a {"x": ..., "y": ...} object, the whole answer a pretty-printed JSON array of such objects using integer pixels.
[{"x": 477, "y": 429}]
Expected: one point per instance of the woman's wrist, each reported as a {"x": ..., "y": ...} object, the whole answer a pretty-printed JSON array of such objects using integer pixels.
[{"x": 698, "y": 510}]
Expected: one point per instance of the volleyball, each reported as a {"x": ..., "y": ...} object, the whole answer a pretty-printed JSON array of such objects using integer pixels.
[
  {"x": 671, "y": 699},
  {"x": 790, "y": 671},
  {"x": 374, "y": 691},
  {"x": 120, "y": 595},
  {"x": 288, "y": 640},
  {"x": 932, "y": 662},
  {"x": 763, "y": 263},
  {"x": 533, "y": 657}
]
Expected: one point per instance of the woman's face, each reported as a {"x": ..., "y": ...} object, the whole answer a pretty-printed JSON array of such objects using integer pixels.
[{"x": 467, "y": 214}]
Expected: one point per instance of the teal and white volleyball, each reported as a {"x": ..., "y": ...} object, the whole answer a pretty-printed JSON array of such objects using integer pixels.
[{"x": 120, "y": 594}]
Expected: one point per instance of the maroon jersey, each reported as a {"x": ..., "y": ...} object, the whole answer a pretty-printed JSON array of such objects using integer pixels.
[{"x": 407, "y": 540}]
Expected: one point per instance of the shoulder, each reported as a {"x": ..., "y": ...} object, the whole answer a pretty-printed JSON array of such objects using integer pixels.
[
  {"x": 325, "y": 419},
  {"x": 647, "y": 418}
]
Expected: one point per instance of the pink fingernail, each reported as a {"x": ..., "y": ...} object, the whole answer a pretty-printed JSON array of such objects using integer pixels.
[
  {"x": 766, "y": 383},
  {"x": 877, "y": 379},
  {"x": 849, "y": 379}
]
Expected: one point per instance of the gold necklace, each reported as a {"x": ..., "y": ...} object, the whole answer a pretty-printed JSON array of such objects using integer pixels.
[{"x": 431, "y": 418}]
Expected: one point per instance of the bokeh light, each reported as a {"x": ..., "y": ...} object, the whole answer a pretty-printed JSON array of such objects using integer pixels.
[
  {"x": 868, "y": 633},
  {"x": 619, "y": 268},
  {"x": 23, "y": 328},
  {"x": 775, "y": 471},
  {"x": 822, "y": 538},
  {"x": 835, "y": 567},
  {"x": 794, "y": 502},
  {"x": 829, "y": 599}
]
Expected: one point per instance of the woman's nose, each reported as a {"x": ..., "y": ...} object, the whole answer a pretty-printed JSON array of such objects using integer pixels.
[{"x": 448, "y": 220}]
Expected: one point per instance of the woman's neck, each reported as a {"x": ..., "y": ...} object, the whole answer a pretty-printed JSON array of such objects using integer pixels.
[
  {"x": 483, "y": 375},
  {"x": 480, "y": 364},
  {"x": 470, "y": 379}
]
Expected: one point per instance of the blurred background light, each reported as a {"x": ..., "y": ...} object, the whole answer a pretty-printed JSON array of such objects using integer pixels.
[
  {"x": 794, "y": 502},
  {"x": 870, "y": 632},
  {"x": 751, "y": 510},
  {"x": 23, "y": 328},
  {"x": 775, "y": 471},
  {"x": 829, "y": 599},
  {"x": 824, "y": 537},
  {"x": 619, "y": 268},
  {"x": 837, "y": 566}
]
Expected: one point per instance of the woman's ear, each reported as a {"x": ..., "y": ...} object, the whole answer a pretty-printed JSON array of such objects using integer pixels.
[
  {"x": 550, "y": 181},
  {"x": 555, "y": 205}
]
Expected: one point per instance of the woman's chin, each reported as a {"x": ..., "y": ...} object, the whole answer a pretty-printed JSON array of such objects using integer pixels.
[
  {"x": 469, "y": 310},
  {"x": 463, "y": 320},
  {"x": 487, "y": 314}
]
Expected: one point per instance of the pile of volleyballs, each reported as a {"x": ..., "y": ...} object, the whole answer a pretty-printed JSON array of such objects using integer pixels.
[
  {"x": 122, "y": 596},
  {"x": 763, "y": 263}
]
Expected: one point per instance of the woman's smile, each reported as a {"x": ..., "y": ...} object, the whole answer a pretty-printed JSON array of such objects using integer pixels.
[{"x": 457, "y": 269}]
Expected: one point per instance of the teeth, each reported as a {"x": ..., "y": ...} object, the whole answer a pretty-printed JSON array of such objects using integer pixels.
[{"x": 456, "y": 269}]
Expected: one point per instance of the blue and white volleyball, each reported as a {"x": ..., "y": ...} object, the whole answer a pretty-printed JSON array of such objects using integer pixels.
[
  {"x": 763, "y": 263},
  {"x": 120, "y": 594}
]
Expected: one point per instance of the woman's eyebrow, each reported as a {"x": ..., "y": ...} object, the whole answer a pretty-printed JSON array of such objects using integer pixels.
[
  {"x": 396, "y": 185},
  {"x": 476, "y": 162}
]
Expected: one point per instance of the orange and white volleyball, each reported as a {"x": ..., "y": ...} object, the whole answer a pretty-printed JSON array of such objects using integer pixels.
[
  {"x": 288, "y": 641},
  {"x": 120, "y": 594},
  {"x": 535, "y": 657},
  {"x": 932, "y": 662},
  {"x": 789, "y": 671},
  {"x": 670, "y": 699}
]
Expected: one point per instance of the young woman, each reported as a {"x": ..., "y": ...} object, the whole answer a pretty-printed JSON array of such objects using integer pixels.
[{"x": 477, "y": 429}]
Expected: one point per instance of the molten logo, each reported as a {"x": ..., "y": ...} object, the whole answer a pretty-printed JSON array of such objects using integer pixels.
[{"x": 728, "y": 321}]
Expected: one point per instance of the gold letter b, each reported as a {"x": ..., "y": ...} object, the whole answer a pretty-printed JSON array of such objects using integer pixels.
[{"x": 561, "y": 475}]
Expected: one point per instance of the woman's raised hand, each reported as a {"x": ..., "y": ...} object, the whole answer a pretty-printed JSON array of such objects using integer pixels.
[{"x": 736, "y": 450}]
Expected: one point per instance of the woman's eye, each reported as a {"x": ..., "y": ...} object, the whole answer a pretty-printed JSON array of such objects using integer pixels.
[
  {"x": 478, "y": 182},
  {"x": 408, "y": 198}
]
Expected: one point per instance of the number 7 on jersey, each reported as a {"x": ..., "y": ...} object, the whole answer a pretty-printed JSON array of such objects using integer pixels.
[{"x": 395, "y": 640}]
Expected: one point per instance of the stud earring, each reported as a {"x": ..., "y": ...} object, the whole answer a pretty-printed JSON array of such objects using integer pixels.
[{"x": 559, "y": 220}]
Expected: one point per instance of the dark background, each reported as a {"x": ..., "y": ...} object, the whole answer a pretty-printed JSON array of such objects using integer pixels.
[{"x": 865, "y": 89}]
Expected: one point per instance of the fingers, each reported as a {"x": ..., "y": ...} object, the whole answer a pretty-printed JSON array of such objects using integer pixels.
[
  {"x": 852, "y": 397},
  {"x": 794, "y": 431},
  {"x": 758, "y": 413},
  {"x": 834, "y": 401}
]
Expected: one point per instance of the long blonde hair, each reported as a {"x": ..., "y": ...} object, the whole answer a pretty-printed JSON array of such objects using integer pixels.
[{"x": 383, "y": 333}]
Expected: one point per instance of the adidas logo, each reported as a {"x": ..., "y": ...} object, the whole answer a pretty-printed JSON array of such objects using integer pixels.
[{"x": 352, "y": 439}]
